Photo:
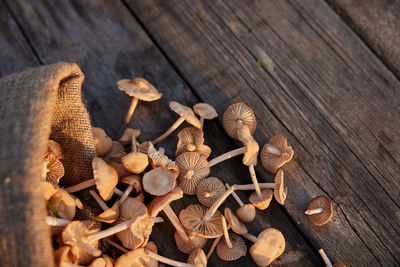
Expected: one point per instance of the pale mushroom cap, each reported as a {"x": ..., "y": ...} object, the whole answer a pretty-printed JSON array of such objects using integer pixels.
[
  {"x": 63, "y": 254},
  {"x": 270, "y": 245},
  {"x": 106, "y": 178},
  {"x": 55, "y": 149},
  {"x": 233, "y": 114},
  {"x": 192, "y": 220},
  {"x": 192, "y": 169},
  {"x": 136, "y": 258},
  {"x": 48, "y": 189},
  {"x": 239, "y": 248},
  {"x": 252, "y": 148},
  {"x": 117, "y": 151},
  {"x": 158, "y": 203},
  {"x": 140, "y": 88},
  {"x": 205, "y": 110},
  {"x": 236, "y": 225},
  {"x": 55, "y": 169},
  {"x": 280, "y": 190},
  {"x": 263, "y": 204},
  {"x": 120, "y": 169},
  {"x": 135, "y": 162},
  {"x": 101, "y": 141},
  {"x": 159, "y": 181},
  {"x": 64, "y": 204},
  {"x": 127, "y": 136},
  {"x": 110, "y": 215},
  {"x": 185, "y": 112},
  {"x": 211, "y": 185},
  {"x": 135, "y": 181},
  {"x": 323, "y": 217},
  {"x": 246, "y": 213},
  {"x": 272, "y": 162},
  {"x": 187, "y": 247},
  {"x": 198, "y": 258}
]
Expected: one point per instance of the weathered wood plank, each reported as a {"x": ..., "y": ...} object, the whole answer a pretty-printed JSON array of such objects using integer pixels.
[
  {"x": 320, "y": 86},
  {"x": 108, "y": 44}
]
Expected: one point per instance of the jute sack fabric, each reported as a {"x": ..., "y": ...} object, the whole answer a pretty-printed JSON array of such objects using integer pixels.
[{"x": 35, "y": 104}]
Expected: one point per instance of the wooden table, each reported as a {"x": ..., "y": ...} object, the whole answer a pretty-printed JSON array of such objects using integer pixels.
[{"x": 326, "y": 82}]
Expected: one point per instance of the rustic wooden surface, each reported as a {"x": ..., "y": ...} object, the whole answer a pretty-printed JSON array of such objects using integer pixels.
[{"x": 319, "y": 85}]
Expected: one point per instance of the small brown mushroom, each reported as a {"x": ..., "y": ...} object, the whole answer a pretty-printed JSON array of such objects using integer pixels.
[
  {"x": 159, "y": 181},
  {"x": 109, "y": 215},
  {"x": 198, "y": 258},
  {"x": 237, "y": 115},
  {"x": 129, "y": 136},
  {"x": 55, "y": 149},
  {"x": 103, "y": 261},
  {"x": 191, "y": 139},
  {"x": 319, "y": 210},
  {"x": 236, "y": 225},
  {"x": 120, "y": 169},
  {"x": 264, "y": 202},
  {"x": 209, "y": 190},
  {"x": 117, "y": 151},
  {"x": 237, "y": 250},
  {"x": 64, "y": 204},
  {"x": 185, "y": 113},
  {"x": 136, "y": 258},
  {"x": 135, "y": 162},
  {"x": 205, "y": 111},
  {"x": 246, "y": 212},
  {"x": 188, "y": 247},
  {"x": 54, "y": 169},
  {"x": 48, "y": 189},
  {"x": 328, "y": 262},
  {"x": 101, "y": 141},
  {"x": 134, "y": 182},
  {"x": 276, "y": 153},
  {"x": 139, "y": 89}
]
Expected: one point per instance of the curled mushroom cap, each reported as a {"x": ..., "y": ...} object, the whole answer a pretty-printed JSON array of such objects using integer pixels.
[
  {"x": 55, "y": 169},
  {"x": 280, "y": 190},
  {"x": 159, "y": 159},
  {"x": 159, "y": 181},
  {"x": 237, "y": 115},
  {"x": 269, "y": 246},
  {"x": 135, "y": 162},
  {"x": 140, "y": 88},
  {"x": 198, "y": 258},
  {"x": 101, "y": 141},
  {"x": 110, "y": 215},
  {"x": 105, "y": 176},
  {"x": 48, "y": 189},
  {"x": 238, "y": 249},
  {"x": 236, "y": 225},
  {"x": 252, "y": 148},
  {"x": 192, "y": 169},
  {"x": 205, "y": 110},
  {"x": 64, "y": 204},
  {"x": 128, "y": 135},
  {"x": 246, "y": 213},
  {"x": 158, "y": 203},
  {"x": 136, "y": 258},
  {"x": 276, "y": 153},
  {"x": 185, "y": 112},
  {"x": 322, "y": 217},
  {"x": 266, "y": 199},
  {"x": 187, "y": 247},
  {"x": 209, "y": 190},
  {"x": 191, "y": 139},
  {"x": 55, "y": 149}
]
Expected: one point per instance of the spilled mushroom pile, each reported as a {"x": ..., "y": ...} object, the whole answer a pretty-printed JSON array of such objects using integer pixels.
[{"x": 133, "y": 182}]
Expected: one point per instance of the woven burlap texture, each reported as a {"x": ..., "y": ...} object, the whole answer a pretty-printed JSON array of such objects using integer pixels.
[{"x": 34, "y": 104}]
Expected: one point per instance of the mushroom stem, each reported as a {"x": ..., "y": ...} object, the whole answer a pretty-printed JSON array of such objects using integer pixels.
[
  {"x": 227, "y": 155},
  {"x": 250, "y": 237},
  {"x": 214, "y": 244},
  {"x": 157, "y": 220},
  {"x": 176, "y": 223},
  {"x": 80, "y": 186},
  {"x": 273, "y": 150},
  {"x": 112, "y": 243},
  {"x": 235, "y": 196},
  {"x": 169, "y": 131},
  {"x": 210, "y": 212},
  {"x": 132, "y": 108},
  {"x": 226, "y": 235},
  {"x": 252, "y": 187},
  {"x": 126, "y": 193},
  {"x": 201, "y": 122},
  {"x": 99, "y": 200},
  {"x": 325, "y": 258},
  {"x": 254, "y": 180},
  {"x": 167, "y": 261},
  {"x": 118, "y": 192},
  {"x": 110, "y": 231},
  {"x": 52, "y": 221},
  {"x": 313, "y": 211},
  {"x": 89, "y": 249}
]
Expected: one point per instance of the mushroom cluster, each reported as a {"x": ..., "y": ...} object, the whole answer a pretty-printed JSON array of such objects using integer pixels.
[{"x": 134, "y": 181}]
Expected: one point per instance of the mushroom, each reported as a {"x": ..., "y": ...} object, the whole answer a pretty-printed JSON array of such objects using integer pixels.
[
  {"x": 209, "y": 190},
  {"x": 117, "y": 151},
  {"x": 237, "y": 115},
  {"x": 121, "y": 171},
  {"x": 237, "y": 249},
  {"x": 54, "y": 148},
  {"x": 168, "y": 261},
  {"x": 198, "y": 258},
  {"x": 191, "y": 139},
  {"x": 264, "y": 202},
  {"x": 319, "y": 210},
  {"x": 64, "y": 204},
  {"x": 134, "y": 182},
  {"x": 225, "y": 229},
  {"x": 129, "y": 136},
  {"x": 159, "y": 181},
  {"x": 63, "y": 255},
  {"x": 205, "y": 111},
  {"x": 101, "y": 141},
  {"x": 276, "y": 153},
  {"x": 105, "y": 179},
  {"x": 185, "y": 113},
  {"x": 246, "y": 212},
  {"x": 136, "y": 258},
  {"x": 213, "y": 246},
  {"x": 54, "y": 169},
  {"x": 147, "y": 147},
  {"x": 135, "y": 162},
  {"x": 236, "y": 225},
  {"x": 110, "y": 214},
  {"x": 139, "y": 89},
  {"x": 48, "y": 189},
  {"x": 103, "y": 261},
  {"x": 193, "y": 168},
  {"x": 328, "y": 262},
  {"x": 187, "y": 247},
  {"x": 159, "y": 159}
]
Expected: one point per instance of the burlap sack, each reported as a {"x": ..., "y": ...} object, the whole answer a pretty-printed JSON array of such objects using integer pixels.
[{"x": 34, "y": 104}]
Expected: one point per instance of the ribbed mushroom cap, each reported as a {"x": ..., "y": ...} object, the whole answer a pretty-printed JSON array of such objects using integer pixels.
[
  {"x": 236, "y": 225},
  {"x": 269, "y": 246},
  {"x": 192, "y": 169},
  {"x": 105, "y": 176},
  {"x": 339, "y": 264},
  {"x": 110, "y": 215},
  {"x": 191, "y": 139},
  {"x": 252, "y": 148},
  {"x": 209, "y": 190},
  {"x": 158, "y": 203},
  {"x": 202, "y": 149},
  {"x": 135, "y": 162},
  {"x": 276, "y": 153},
  {"x": 55, "y": 169},
  {"x": 323, "y": 217},
  {"x": 127, "y": 136},
  {"x": 237, "y": 115},
  {"x": 64, "y": 204},
  {"x": 264, "y": 203},
  {"x": 187, "y": 247},
  {"x": 63, "y": 254},
  {"x": 192, "y": 220},
  {"x": 120, "y": 169},
  {"x": 159, "y": 181},
  {"x": 135, "y": 181},
  {"x": 117, "y": 151},
  {"x": 185, "y": 112},
  {"x": 101, "y": 141},
  {"x": 140, "y": 88},
  {"x": 238, "y": 249},
  {"x": 246, "y": 213},
  {"x": 198, "y": 258},
  {"x": 55, "y": 149},
  {"x": 280, "y": 190},
  {"x": 136, "y": 258},
  {"x": 159, "y": 159},
  {"x": 147, "y": 148},
  {"x": 48, "y": 189},
  {"x": 205, "y": 110}
]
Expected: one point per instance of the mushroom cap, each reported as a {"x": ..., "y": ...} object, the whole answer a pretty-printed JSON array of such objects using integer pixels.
[
  {"x": 192, "y": 220},
  {"x": 63, "y": 254},
  {"x": 236, "y": 225},
  {"x": 48, "y": 189},
  {"x": 198, "y": 258},
  {"x": 55, "y": 148},
  {"x": 159, "y": 159},
  {"x": 136, "y": 258},
  {"x": 323, "y": 217},
  {"x": 213, "y": 186},
  {"x": 239, "y": 248},
  {"x": 134, "y": 180},
  {"x": 64, "y": 204},
  {"x": 252, "y": 148},
  {"x": 120, "y": 169},
  {"x": 159, "y": 181},
  {"x": 135, "y": 162},
  {"x": 236, "y": 113},
  {"x": 263, "y": 204},
  {"x": 140, "y": 197},
  {"x": 106, "y": 178},
  {"x": 140, "y": 88},
  {"x": 110, "y": 215},
  {"x": 158, "y": 203},
  {"x": 190, "y": 135},
  {"x": 141, "y": 227},
  {"x": 272, "y": 162},
  {"x": 269, "y": 246},
  {"x": 127, "y": 136},
  {"x": 202, "y": 149},
  {"x": 205, "y": 110},
  {"x": 280, "y": 190},
  {"x": 185, "y": 112},
  {"x": 103, "y": 261},
  {"x": 193, "y": 168},
  {"x": 187, "y": 247},
  {"x": 246, "y": 213},
  {"x": 339, "y": 264},
  {"x": 147, "y": 148},
  {"x": 55, "y": 169},
  {"x": 117, "y": 151},
  {"x": 101, "y": 141}
]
